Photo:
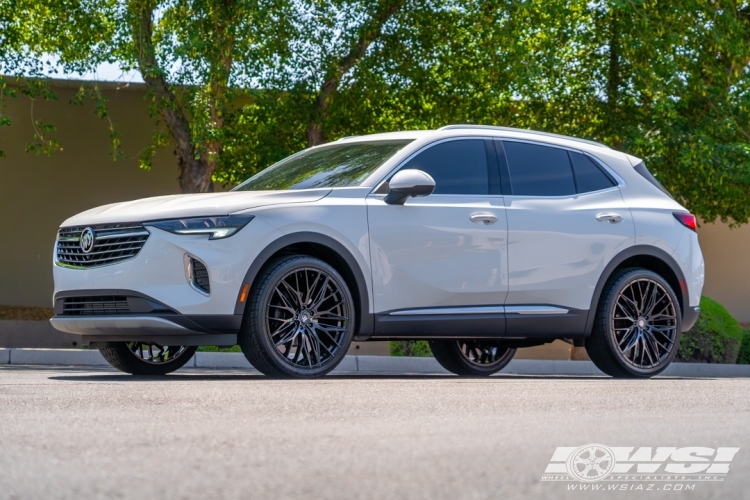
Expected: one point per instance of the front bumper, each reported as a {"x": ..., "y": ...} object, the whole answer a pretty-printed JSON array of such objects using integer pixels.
[
  {"x": 103, "y": 330},
  {"x": 139, "y": 317},
  {"x": 159, "y": 270}
]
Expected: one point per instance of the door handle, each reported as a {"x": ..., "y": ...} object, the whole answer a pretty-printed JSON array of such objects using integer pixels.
[
  {"x": 609, "y": 217},
  {"x": 483, "y": 217}
]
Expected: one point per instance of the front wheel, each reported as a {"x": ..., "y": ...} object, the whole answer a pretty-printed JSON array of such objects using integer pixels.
[
  {"x": 147, "y": 358},
  {"x": 637, "y": 327},
  {"x": 479, "y": 358},
  {"x": 300, "y": 319}
]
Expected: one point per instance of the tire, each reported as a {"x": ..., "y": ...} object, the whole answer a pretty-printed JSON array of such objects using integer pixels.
[
  {"x": 299, "y": 320},
  {"x": 477, "y": 358},
  {"x": 637, "y": 327},
  {"x": 131, "y": 357}
]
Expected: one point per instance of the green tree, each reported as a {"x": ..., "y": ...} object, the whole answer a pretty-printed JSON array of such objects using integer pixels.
[
  {"x": 195, "y": 56},
  {"x": 663, "y": 81},
  {"x": 352, "y": 67},
  {"x": 236, "y": 85}
]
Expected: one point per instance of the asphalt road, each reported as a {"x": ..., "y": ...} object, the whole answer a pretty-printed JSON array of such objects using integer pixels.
[{"x": 74, "y": 433}]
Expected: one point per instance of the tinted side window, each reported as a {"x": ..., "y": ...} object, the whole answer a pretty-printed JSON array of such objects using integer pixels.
[
  {"x": 458, "y": 167},
  {"x": 588, "y": 175},
  {"x": 539, "y": 170}
]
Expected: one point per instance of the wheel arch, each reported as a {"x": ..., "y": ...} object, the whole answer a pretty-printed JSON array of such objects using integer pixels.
[
  {"x": 646, "y": 257},
  {"x": 329, "y": 251}
]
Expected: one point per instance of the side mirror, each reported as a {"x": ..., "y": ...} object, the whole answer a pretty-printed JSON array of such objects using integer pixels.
[{"x": 408, "y": 183}]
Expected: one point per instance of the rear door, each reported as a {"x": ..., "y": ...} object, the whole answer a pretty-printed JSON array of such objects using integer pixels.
[{"x": 566, "y": 219}]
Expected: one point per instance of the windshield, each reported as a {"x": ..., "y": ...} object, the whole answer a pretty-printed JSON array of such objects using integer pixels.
[{"x": 326, "y": 167}]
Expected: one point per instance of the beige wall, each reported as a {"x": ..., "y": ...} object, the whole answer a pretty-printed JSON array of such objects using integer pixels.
[
  {"x": 727, "y": 255},
  {"x": 37, "y": 193}
]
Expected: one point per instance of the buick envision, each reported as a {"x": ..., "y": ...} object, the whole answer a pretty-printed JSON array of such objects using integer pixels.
[{"x": 481, "y": 240}]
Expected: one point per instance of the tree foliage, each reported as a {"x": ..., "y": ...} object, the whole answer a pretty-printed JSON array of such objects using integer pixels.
[{"x": 236, "y": 85}]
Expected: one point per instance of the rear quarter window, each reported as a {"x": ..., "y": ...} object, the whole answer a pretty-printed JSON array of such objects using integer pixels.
[
  {"x": 589, "y": 176},
  {"x": 641, "y": 169}
]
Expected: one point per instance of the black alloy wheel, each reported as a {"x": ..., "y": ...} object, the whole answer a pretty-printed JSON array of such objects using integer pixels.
[
  {"x": 638, "y": 325},
  {"x": 300, "y": 319},
  {"x": 472, "y": 357},
  {"x": 147, "y": 358}
]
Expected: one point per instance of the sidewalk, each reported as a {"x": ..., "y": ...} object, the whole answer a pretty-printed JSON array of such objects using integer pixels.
[{"x": 373, "y": 365}]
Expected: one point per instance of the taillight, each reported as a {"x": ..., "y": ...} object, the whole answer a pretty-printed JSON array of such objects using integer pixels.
[{"x": 687, "y": 220}]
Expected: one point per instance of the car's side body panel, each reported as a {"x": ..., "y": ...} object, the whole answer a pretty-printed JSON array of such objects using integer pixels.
[
  {"x": 557, "y": 248},
  {"x": 428, "y": 253}
]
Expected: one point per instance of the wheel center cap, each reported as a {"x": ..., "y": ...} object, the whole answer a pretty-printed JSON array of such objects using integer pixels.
[
  {"x": 304, "y": 317},
  {"x": 641, "y": 323}
]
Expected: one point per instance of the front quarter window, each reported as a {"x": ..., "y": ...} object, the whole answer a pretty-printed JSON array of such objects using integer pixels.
[{"x": 337, "y": 165}]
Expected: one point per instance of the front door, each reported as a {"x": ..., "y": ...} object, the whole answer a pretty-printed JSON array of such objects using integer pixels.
[{"x": 439, "y": 262}]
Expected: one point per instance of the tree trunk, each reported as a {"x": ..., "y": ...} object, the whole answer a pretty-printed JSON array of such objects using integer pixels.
[
  {"x": 613, "y": 81},
  {"x": 369, "y": 31},
  {"x": 195, "y": 176},
  {"x": 195, "y": 172},
  {"x": 314, "y": 133}
]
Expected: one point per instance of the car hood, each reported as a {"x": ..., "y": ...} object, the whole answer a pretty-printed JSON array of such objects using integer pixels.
[{"x": 191, "y": 205}]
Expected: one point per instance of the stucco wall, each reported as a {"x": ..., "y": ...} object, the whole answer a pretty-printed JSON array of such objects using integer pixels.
[
  {"x": 727, "y": 255},
  {"x": 37, "y": 193}
]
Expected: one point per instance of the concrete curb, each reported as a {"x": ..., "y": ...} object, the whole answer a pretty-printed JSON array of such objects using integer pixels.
[{"x": 364, "y": 364}]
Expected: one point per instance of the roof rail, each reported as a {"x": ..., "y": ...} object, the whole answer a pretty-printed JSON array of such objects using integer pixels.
[{"x": 511, "y": 129}]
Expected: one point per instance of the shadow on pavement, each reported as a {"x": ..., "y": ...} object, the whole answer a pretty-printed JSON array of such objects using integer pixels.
[{"x": 105, "y": 374}]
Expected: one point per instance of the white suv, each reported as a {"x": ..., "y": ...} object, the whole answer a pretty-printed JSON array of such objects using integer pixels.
[{"x": 479, "y": 239}]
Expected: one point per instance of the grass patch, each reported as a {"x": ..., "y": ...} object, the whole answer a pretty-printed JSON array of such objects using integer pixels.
[
  {"x": 213, "y": 348},
  {"x": 417, "y": 348}
]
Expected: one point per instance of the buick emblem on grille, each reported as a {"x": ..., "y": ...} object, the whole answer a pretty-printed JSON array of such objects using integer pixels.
[{"x": 87, "y": 240}]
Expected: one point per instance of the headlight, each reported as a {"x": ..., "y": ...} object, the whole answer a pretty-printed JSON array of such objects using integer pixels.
[{"x": 215, "y": 227}]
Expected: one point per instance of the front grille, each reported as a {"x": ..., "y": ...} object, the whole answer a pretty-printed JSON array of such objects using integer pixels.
[
  {"x": 113, "y": 243},
  {"x": 200, "y": 275},
  {"x": 88, "y": 306}
]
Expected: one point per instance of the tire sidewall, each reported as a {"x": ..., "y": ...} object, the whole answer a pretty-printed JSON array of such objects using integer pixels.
[
  {"x": 481, "y": 370},
  {"x": 621, "y": 284},
  {"x": 127, "y": 361},
  {"x": 261, "y": 326}
]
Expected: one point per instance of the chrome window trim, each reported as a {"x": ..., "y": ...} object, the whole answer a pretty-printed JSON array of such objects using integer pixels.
[
  {"x": 620, "y": 181},
  {"x": 607, "y": 168},
  {"x": 425, "y": 147}
]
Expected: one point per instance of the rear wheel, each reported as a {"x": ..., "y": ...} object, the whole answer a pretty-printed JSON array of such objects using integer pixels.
[
  {"x": 147, "y": 358},
  {"x": 299, "y": 320},
  {"x": 638, "y": 325},
  {"x": 479, "y": 358}
]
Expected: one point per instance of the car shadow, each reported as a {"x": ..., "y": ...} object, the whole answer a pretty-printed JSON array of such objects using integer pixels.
[{"x": 257, "y": 377}]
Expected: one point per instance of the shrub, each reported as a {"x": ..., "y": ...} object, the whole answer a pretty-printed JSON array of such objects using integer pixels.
[
  {"x": 744, "y": 356},
  {"x": 211, "y": 348},
  {"x": 419, "y": 348},
  {"x": 715, "y": 338}
]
